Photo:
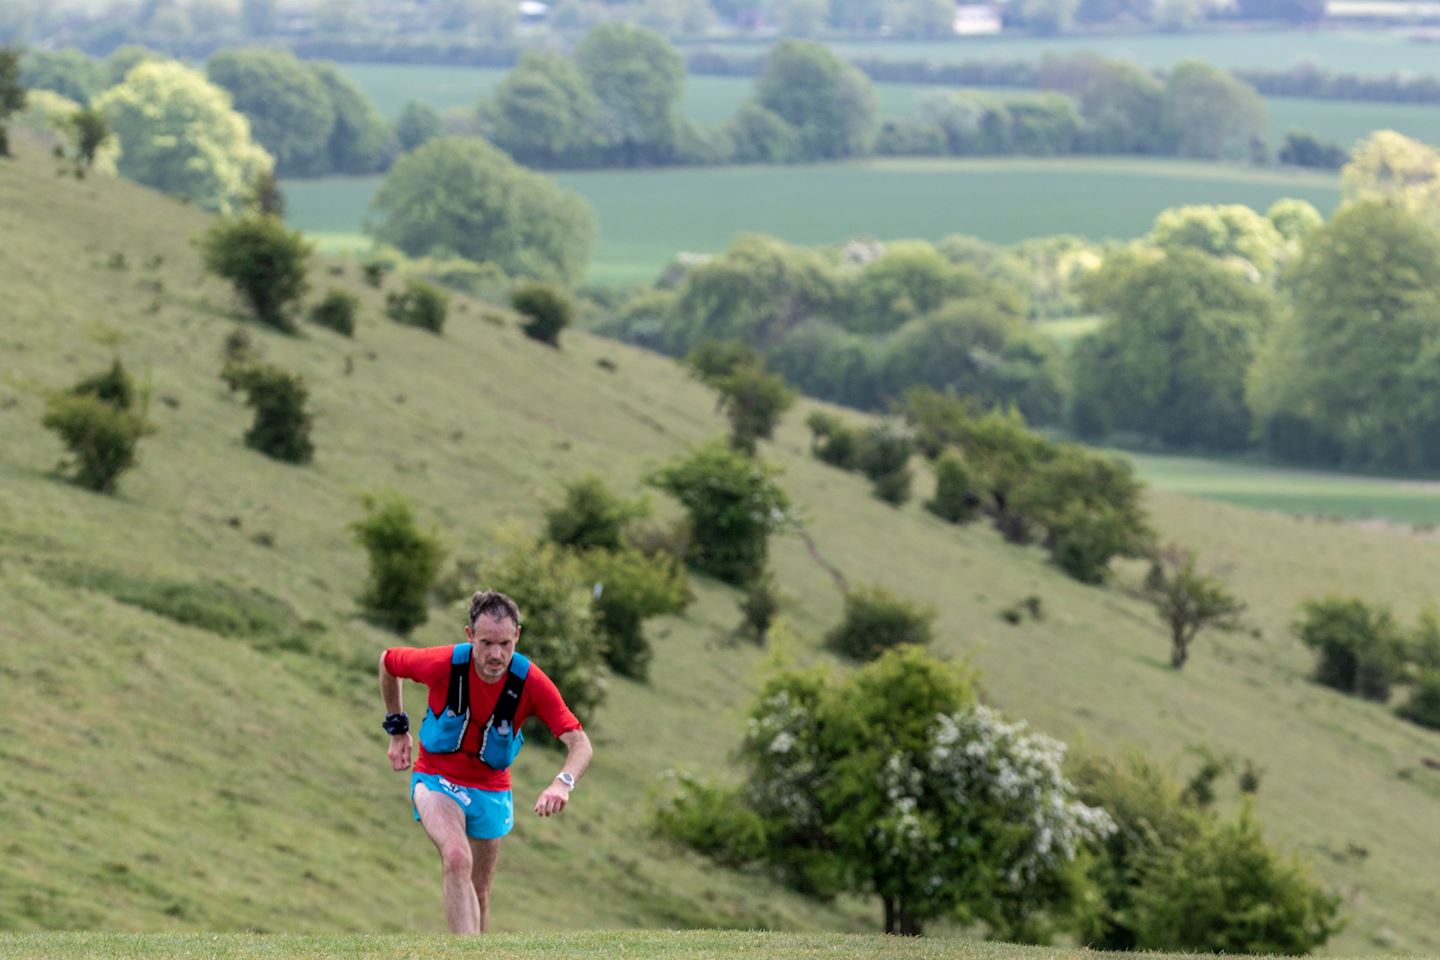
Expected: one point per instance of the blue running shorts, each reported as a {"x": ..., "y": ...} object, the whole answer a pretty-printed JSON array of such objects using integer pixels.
[{"x": 489, "y": 814}]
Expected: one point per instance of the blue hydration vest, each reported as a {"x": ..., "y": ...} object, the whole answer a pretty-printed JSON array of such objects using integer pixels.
[{"x": 500, "y": 742}]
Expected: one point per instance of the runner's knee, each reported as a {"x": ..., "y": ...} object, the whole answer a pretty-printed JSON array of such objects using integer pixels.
[{"x": 455, "y": 858}]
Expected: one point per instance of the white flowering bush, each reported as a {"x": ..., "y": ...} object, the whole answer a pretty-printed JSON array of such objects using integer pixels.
[{"x": 896, "y": 783}]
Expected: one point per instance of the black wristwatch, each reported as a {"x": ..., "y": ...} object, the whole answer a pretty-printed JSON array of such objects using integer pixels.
[{"x": 396, "y": 723}]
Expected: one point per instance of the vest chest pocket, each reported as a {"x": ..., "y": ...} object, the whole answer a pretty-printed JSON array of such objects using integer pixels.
[{"x": 443, "y": 732}]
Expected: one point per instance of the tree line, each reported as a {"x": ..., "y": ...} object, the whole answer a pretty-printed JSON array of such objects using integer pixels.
[{"x": 615, "y": 102}]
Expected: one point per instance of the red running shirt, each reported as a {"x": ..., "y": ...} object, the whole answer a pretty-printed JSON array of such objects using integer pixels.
[{"x": 431, "y": 666}]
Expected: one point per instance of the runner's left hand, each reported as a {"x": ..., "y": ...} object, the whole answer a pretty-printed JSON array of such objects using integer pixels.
[{"x": 552, "y": 799}]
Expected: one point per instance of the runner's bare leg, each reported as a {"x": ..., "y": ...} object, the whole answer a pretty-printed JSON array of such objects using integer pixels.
[
  {"x": 486, "y": 853},
  {"x": 444, "y": 822}
]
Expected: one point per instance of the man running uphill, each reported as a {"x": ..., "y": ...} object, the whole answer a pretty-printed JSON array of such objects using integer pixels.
[{"x": 480, "y": 693}]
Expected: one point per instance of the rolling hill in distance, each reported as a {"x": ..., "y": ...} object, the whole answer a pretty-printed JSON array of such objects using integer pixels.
[{"x": 165, "y": 778}]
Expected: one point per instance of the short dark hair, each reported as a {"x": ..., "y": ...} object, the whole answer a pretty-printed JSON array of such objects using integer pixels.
[{"x": 493, "y": 604}]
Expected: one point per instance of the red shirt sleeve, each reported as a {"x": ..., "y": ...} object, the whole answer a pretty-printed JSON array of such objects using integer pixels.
[
  {"x": 427, "y": 665},
  {"x": 545, "y": 702}
]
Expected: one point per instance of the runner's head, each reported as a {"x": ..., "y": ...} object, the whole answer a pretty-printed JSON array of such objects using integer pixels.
[{"x": 494, "y": 628}]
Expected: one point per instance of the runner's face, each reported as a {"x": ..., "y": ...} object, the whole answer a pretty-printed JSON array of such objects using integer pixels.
[{"x": 494, "y": 646}]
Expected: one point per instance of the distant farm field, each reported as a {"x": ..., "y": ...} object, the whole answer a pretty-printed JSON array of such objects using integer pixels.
[
  {"x": 647, "y": 216},
  {"x": 1351, "y": 51},
  {"x": 710, "y": 101},
  {"x": 1285, "y": 490}
]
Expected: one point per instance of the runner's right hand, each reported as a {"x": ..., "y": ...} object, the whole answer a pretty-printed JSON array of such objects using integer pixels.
[{"x": 399, "y": 751}]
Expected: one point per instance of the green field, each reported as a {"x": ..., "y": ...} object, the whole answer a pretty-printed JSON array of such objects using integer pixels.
[
  {"x": 165, "y": 778},
  {"x": 647, "y": 216},
  {"x": 710, "y": 101},
  {"x": 1304, "y": 492},
  {"x": 1346, "y": 50}
]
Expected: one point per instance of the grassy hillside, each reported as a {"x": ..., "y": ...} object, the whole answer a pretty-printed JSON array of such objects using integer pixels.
[
  {"x": 166, "y": 778},
  {"x": 634, "y": 944},
  {"x": 646, "y": 216}
]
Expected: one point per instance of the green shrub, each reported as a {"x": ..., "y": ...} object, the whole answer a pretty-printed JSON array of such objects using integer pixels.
[
  {"x": 558, "y": 627},
  {"x": 754, "y": 401},
  {"x": 955, "y": 500},
  {"x": 713, "y": 360},
  {"x": 893, "y": 488},
  {"x": 113, "y": 386},
  {"x": 404, "y": 562},
  {"x": 734, "y": 505},
  {"x": 883, "y": 454},
  {"x": 832, "y": 442},
  {"x": 263, "y": 261},
  {"x": 876, "y": 620},
  {"x": 759, "y": 607},
  {"x": 591, "y": 517},
  {"x": 546, "y": 310},
  {"x": 713, "y": 821},
  {"x": 1223, "y": 890},
  {"x": 420, "y": 304},
  {"x": 630, "y": 588},
  {"x": 103, "y": 438},
  {"x": 281, "y": 429},
  {"x": 374, "y": 272},
  {"x": 1359, "y": 649},
  {"x": 1423, "y": 707},
  {"x": 336, "y": 312}
]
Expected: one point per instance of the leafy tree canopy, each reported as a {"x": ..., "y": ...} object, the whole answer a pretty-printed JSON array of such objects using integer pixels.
[
  {"x": 178, "y": 133},
  {"x": 638, "y": 78},
  {"x": 288, "y": 107},
  {"x": 464, "y": 196},
  {"x": 831, "y": 104}
]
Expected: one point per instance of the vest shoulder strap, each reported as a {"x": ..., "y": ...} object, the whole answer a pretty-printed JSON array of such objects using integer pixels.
[
  {"x": 509, "y": 701},
  {"x": 457, "y": 698}
]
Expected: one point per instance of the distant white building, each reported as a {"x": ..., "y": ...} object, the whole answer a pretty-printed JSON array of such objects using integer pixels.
[
  {"x": 533, "y": 11},
  {"x": 976, "y": 19}
]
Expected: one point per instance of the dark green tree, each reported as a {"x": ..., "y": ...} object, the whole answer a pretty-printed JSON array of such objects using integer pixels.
[
  {"x": 1214, "y": 113},
  {"x": 957, "y": 498},
  {"x": 734, "y": 505},
  {"x": 546, "y": 114},
  {"x": 70, "y": 73},
  {"x": 630, "y": 588},
  {"x": 468, "y": 198},
  {"x": 281, "y": 429},
  {"x": 12, "y": 93},
  {"x": 417, "y": 125},
  {"x": 99, "y": 422},
  {"x": 360, "y": 142},
  {"x": 638, "y": 78},
  {"x": 592, "y": 516},
  {"x": 1170, "y": 363},
  {"x": 289, "y": 108},
  {"x": 831, "y": 105},
  {"x": 1357, "y": 363},
  {"x": 265, "y": 262},
  {"x": 1188, "y": 600},
  {"x": 546, "y": 309},
  {"x": 1359, "y": 648},
  {"x": 91, "y": 133},
  {"x": 336, "y": 312},
  {"x": 404, "y": 562},
  {"x": 754, "y": 400}
]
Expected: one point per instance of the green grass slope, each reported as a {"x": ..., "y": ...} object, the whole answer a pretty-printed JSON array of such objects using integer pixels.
[
  {"x": 640, "y": 945},
  {"x": 161, "y": 777}
]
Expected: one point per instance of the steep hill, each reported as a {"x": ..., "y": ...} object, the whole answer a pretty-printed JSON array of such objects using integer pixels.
[{"x": 158, "y": 776}]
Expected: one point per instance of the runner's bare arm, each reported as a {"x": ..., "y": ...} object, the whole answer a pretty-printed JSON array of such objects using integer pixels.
[
  {"x": 391, "y": 694},
  {"x": 554, "y": 797}
]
